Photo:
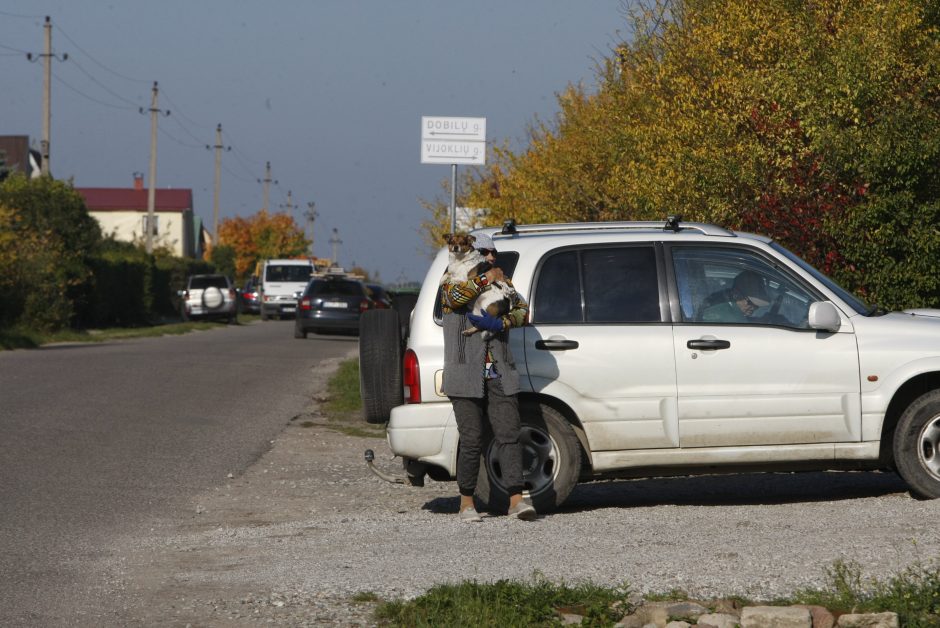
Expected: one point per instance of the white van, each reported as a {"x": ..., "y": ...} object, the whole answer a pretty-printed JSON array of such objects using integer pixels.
[{"x": 282, "y": 281}]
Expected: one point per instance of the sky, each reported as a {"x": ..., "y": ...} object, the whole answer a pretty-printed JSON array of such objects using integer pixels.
[{"x": 330, "y": 92}]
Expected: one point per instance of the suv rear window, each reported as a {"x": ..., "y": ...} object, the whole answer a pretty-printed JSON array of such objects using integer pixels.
[
  {"x": 208, "y": 281},
  {"x": 337, "y": 287},
  {"x": 598, "y": 285}
]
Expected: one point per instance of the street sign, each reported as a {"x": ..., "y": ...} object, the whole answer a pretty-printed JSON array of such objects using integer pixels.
[{"x": 446, "y": 140}]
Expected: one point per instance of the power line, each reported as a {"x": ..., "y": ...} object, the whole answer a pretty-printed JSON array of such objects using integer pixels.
[
  {"x": 16, "y": 50},
  {"x": 242, "y": 179},
  {"x": 20, "y": 15},
  {"x": 96, "y": 62},
  {"x": 86, "y": 96},
  {"x": 178, "y": 110},
  {"x": 177, "y": 140},
  {"x": 102, "y": 85}
]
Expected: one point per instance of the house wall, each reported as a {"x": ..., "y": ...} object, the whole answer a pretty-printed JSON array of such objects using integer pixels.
[{"x": 174, "y": 229}]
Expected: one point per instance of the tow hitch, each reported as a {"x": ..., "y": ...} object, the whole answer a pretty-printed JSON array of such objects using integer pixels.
[{"x": 370, "y": 457}]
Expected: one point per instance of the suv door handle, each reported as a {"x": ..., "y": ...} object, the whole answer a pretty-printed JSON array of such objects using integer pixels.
[
  {"x": 708, "y": 345},
  {"x": 554, "y": 344}
]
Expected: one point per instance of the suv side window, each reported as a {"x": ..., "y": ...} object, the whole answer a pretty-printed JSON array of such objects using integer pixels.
[
  {"x": 709, "y": 279},
  {"x": 598, "y": 285}
]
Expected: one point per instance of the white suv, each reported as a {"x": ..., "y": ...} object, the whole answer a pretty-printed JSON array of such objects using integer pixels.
[
  {"x": 209, "y": 296},
  {"x": 628, "y": 369}
]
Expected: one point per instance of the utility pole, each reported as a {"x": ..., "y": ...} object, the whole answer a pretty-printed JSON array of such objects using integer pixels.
[
  {"x": 46, "y": 95},
  {"x": 335, "y": 241},
  {"x": 152, "y": 191},
  {"x": 267, "y": 184},
  {"x": 311, "y": 215},
  {"x": 289, "y": 205},
  {"x": 218, "y": 179}
]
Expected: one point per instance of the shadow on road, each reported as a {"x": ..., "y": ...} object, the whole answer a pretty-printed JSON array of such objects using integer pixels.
[
  {"x": 738, "y": 489},
  {"x": 720, "y": 490}
]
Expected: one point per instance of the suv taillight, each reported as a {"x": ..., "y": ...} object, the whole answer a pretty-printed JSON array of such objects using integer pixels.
[
  {"x": 364, "y": 305},
  {"x": 411, "y": 377},
  {"x": 305, "y": 304}
]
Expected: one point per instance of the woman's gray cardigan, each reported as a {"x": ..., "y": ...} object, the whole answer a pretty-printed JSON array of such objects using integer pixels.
[{"x": 464, "y": 359}]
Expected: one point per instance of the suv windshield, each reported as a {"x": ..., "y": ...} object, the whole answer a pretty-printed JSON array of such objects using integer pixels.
[{"x": 288, "y": 272}]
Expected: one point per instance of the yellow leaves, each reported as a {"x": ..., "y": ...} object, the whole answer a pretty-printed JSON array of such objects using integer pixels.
[{"x": 262, "y": 236}]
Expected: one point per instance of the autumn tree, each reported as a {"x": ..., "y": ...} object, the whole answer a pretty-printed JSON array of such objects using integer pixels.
[
  {"x": 262, "y": 236},
  {"x": 817, "y": 123},
  {"x": 46, "y": 238}
]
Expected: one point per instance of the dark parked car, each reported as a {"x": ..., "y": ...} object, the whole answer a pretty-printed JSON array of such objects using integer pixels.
[
  {"x": 331, "y": 304},
  {"x": 379, "y": 295},
  {"x": 248, "y": 299}
]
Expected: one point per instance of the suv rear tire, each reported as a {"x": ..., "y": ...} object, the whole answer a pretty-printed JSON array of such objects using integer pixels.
[
  {"x": 379, "y": 364},
  {"x": 917, "y": 446},
  {"x": 551, "y": 461}
]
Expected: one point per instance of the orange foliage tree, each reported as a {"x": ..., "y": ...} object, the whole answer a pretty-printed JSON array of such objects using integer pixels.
[{"x": 262, "y": 236}]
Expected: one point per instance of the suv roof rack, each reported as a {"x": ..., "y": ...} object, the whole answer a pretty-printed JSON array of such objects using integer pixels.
[{"x": 673, "y": 223}]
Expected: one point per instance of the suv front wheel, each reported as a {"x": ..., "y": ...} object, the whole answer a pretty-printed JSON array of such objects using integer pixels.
[
  {"x": 551, "y": 461},
  {"x": 917, "y": 446}
]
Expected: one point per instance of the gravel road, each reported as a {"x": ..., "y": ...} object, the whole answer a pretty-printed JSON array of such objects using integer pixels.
[{"x": 289, "y": 541}]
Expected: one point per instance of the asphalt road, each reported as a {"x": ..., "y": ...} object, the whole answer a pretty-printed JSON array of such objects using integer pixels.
[{"x": 99, "y": 439}]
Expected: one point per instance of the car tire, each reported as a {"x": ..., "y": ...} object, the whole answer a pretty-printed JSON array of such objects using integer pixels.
[
  {"x": 299, "y": 332},
  {"x": 212, "y": 298},
  {"x": 380, "y": 377},
  {"x": 551, "y": 461},
  {"x": 917, "y": 446},
  {"x": 404, "y": 304}
]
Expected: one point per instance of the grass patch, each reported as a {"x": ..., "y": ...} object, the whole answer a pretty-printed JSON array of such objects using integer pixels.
[
  {"x": 508, "y": 604},
  {"x": 343, "y": 407},
  {"x": 914, "y": 595},
  {"x": 21, "y": 338},
  {"x": 364, "y": 597}
]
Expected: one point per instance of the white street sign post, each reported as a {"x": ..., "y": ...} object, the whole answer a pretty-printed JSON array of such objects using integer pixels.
[{"x": 448, "y": 140}]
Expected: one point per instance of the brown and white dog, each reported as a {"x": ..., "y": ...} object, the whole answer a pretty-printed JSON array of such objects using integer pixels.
[{"x": 465, "y": 262}]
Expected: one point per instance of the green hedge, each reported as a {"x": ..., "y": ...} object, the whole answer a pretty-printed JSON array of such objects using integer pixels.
[{"x": 129, "y": 288}]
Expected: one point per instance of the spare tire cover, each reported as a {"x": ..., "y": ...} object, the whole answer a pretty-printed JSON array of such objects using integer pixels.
[{"x": 212, "y": 298}]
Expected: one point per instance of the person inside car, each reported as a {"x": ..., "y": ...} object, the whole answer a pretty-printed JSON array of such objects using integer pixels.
[{"x": 738, "y": 303}]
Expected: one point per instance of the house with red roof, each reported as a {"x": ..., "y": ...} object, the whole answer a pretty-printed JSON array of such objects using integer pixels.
[{"x": 122, "y": 212}]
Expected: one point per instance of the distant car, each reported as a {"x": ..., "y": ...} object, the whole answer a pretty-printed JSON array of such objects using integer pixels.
[
  {"x": 209, "y": 296},
  {"x": 379, "y": 296},
  {"x": 282, "y": 281},
  {"x": 331, "y": 304},
  {"x": 248, "y": 299}
]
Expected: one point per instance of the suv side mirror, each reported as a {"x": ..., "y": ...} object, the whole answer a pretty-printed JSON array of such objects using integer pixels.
[{"x": 824, "y": 316}]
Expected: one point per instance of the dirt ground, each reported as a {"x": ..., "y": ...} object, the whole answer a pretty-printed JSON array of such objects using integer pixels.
[{"x": 180, "y": 574}]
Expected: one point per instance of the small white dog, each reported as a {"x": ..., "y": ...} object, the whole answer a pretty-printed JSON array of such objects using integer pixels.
[{"x": 465, "y": 262}]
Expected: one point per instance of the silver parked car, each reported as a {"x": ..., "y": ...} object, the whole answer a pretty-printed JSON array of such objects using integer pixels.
[{"x": 209, "y": 296}]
